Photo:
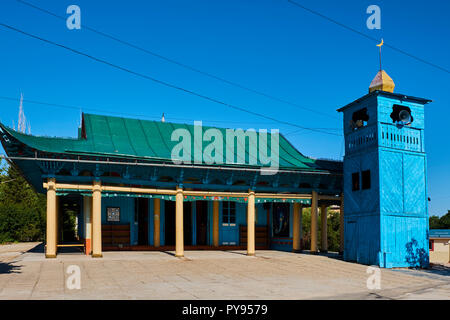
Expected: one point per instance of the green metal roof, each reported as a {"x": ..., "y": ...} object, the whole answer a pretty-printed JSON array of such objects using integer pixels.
[{"x": 149, "y": 140}]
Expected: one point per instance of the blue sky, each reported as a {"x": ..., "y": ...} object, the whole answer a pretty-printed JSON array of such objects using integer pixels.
[{"x": 267, "y": 45}]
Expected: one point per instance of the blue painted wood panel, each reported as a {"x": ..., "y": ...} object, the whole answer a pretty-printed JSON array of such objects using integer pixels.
[
  {"x": 126, "y": 206},
  {"x": 362, "y": 201},
  {"x": 151, "y": 221},
  {"x": 391, "y": 176},
  {"x": 194, "y": 223},
  {"x": 162, "y": 223},
  {"x": 405, "y": 241},
  {"x": 362, "y": 243},
  {"x": 415, "y": 185}
]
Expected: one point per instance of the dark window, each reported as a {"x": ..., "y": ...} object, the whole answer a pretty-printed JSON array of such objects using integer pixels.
[
  {"x": 359, "y": 119},
  {"x": 365, "y": 176},
  {"x": 355, "y": 181},
  {"x": 229, "y": 212},
  {"x": 431, "y": 245},
  {"x": 280, "y": 221},
  {"x": 304, "y": 185}
]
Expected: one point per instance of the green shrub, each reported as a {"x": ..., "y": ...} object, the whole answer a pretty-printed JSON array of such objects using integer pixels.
[
  {"x": 21, "y": 223},
  {"x": 22, "y": 210}
]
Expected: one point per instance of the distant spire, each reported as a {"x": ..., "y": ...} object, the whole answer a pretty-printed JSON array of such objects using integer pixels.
[
  {"x": 21, "y": 126},
  {"x": 163, "y": 119}
]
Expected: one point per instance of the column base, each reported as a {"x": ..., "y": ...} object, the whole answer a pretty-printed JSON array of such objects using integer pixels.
[
  {"x": 51, "y": 256},
  {"x": 250, "y": 254},
  {"x": 179, "y": 255},
  {"x": 97, "y": 255}
]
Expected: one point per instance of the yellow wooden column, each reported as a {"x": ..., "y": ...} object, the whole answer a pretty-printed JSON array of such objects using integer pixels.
[
  {"x": 449, "y": 251},
  {"x": 156, "y": 222},
  {"x": 314, "y": 204},
  {"x": 251, "y": 224},
  {"x": 97, "y": 220},
  {"x": 57, "y": 231},
  {"x": 50, "y": 251},
  {"x": 341, "y": 225},
  {"x": 87, "y": 212},
  {"x": 296, "y": 228},
  {"x": 215, "y": 223},
  {"x": 324, "y": 228},
  {"x": 301, "y": 227},
  {"x": 179, "y": 234}
]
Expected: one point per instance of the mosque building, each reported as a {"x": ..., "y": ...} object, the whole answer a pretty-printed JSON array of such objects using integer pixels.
[{"x": 128, "y": 192}]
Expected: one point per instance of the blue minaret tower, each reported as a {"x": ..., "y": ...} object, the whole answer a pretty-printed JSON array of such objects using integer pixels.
[{"x": 385, "y": 178}]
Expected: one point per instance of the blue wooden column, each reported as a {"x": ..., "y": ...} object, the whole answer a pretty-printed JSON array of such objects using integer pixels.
[
  {"x": 194, "y": 222},
  {"x": 386, "y": 212}
]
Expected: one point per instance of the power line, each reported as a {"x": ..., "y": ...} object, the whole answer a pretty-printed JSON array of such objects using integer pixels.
[
  {"x": 144, "y": 76},
  {"x": 141, "y": 116},
  {"x": 367, "y": 36},
  {"x": 297, "y": 131},
  {"x": 180, "y": 64}
]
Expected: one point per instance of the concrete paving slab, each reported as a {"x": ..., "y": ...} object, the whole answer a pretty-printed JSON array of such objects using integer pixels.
[{"x": 201, "y": 274}]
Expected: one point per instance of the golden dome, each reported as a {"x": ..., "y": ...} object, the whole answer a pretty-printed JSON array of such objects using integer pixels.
[{"x": 382, "y": 82}]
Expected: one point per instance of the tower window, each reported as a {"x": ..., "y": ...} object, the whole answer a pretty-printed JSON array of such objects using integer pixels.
[
  {"x": 359, "y": 119},
  {"x": 355, "y": 181},
  {"x": 401, "y": 115},
  {"x": 365, "y": 177}
]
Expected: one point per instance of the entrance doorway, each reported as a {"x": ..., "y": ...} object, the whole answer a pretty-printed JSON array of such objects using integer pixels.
[
  {"x": 202, "y": 222},
  {"x": 68, "y": 235},
  {"x": 142, "y": 219},
  {"x": 69, "y": 211},
  {"x": 169, "y": 229}
]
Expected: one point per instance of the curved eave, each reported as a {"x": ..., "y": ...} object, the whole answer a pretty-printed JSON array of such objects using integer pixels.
[{"x": 35, "y": 143}]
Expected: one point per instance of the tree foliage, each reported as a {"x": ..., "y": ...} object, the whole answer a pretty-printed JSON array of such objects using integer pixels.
[
  {"x": 333, "y": 234},
  {"x": 22, "y": 210},
  {"x": 440, "y": 223}
]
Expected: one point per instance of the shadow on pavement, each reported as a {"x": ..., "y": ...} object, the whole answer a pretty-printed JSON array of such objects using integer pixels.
[
  {"x": 329, "y": 254},
  {"x": 236, "y": 252},
  {"x": 39, "y": 248},
  {"x": 8, "y": 267},
  {"x": 70, "y": 250},
  {"x": 438, "y": 269},
  {"x": 169, "y": 253}
]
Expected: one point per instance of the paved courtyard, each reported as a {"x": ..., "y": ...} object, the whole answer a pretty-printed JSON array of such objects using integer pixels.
[{"x": 26, "y": 274}]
